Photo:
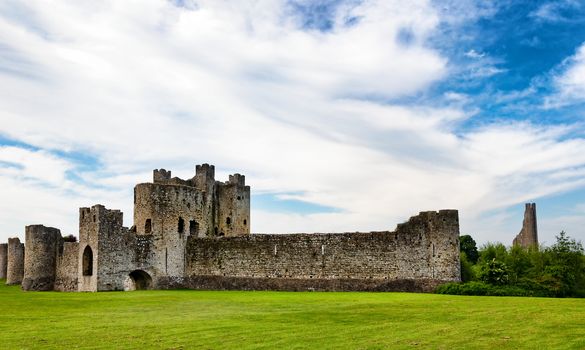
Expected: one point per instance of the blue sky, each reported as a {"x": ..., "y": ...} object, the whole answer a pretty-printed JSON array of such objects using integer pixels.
[{"x": 343, "y": 115}]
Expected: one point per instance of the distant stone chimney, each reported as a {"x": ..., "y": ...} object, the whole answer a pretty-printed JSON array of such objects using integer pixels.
[{"x": 528, "y": 235}]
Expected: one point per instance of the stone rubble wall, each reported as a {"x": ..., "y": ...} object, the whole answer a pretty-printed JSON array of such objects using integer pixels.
[
  {"x": 66, "y": 278},
  {"x": 417, "y": 256}
]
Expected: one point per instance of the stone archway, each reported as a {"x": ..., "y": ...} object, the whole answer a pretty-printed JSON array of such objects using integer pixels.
[{"x": 138, "y": 280}]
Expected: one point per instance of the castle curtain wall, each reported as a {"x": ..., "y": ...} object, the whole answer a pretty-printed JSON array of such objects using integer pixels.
[{"x": 416, "y": 257}]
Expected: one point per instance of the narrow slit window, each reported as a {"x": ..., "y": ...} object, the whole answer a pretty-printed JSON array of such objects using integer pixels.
[
  {"x": 181, "y": 226},
  {"x": 193, "y": 228}
]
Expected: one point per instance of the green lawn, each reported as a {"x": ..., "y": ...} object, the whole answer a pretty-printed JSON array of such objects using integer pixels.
[{"x": 183, "y": 319}]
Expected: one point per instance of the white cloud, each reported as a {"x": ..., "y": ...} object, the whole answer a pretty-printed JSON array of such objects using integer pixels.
[
  {"x": 146, "y": 84},
  {"x": 554, "y": 11},
  {"x": 569, "y": 82}
]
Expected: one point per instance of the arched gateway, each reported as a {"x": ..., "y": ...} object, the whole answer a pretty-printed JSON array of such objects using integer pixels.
[{"x": 138, "y": 280}]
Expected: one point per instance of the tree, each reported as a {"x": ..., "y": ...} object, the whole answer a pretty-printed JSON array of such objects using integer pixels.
[
  {"x": 494, "y": 272},
  {"x": 468, "y": 246},
  {"x": 565, "y": 268},
  {"x": 467, "y": 273}
]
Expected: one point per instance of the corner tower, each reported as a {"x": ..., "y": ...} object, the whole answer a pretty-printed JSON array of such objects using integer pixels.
[{"x": 233, "y": 206}]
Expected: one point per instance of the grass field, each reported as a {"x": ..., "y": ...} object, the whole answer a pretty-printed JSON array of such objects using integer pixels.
[{"x": 184, "y": 319}]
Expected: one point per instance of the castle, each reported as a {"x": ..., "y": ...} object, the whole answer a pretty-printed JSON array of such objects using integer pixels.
[{"x": 195, "y": 234}]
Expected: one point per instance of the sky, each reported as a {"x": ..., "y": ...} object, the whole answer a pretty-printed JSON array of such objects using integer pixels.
[{"x": 344, "y": 115}]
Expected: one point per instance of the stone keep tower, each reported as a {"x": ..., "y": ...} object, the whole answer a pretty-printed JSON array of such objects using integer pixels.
[
  {"x": 528, "y": 235},
  {"x": 171, "y": 209}
]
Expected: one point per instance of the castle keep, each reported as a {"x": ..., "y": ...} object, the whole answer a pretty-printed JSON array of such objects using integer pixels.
[{"x": 195, "y": 233}]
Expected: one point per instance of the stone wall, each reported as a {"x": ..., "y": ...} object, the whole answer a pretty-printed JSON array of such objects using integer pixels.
[
  {"x": 15, "y": 265},
  {"x": 3, "y": 260},
  {"x": 66, "y": 277},
  {"x": 43, "y": 244},
  {"x": 417, "y": 256}
]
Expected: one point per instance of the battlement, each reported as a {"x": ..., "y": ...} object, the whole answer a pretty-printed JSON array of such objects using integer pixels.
[
  {"x": 99, "y": 213},
  {"x": 160, "y": 175},
  {"x": 205, "y": 170},
  {"x": 237, "y": 179}
]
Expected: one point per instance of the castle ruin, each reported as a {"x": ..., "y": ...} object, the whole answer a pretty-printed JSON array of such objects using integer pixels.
[
  {"x": 528, "y": 236},
  {"x": 195, "y": 234}
]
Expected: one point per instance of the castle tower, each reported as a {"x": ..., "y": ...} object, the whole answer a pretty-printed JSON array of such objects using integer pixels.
[
  {"x": 205, "y": 182},
  {"x": 15, "y": 265},
  {"x": 101, "y": 249},
  {"x": 528, "y": 235},
  {"x": 3, "y": 260},
  {"x": 233, "y": 207},
  {"x": 40, "y": 262},
  {"x": 170, "y": 210}
]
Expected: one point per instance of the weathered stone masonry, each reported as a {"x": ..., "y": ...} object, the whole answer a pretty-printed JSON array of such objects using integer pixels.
[
  {"x": 3, "y": 260},
  {"x": 419, "y": 255},
  {"x": 195, "y": 233},
  {"x": 528, "y": 236},
  {"x": 15, "y": 264}
]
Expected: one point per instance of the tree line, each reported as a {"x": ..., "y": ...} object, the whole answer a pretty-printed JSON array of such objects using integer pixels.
[{"x": 494, "y": 269}]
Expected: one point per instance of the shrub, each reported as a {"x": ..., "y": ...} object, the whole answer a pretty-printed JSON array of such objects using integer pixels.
[
  {"x": 467, "y": 271},
  {"x": 494, "y": 272}
]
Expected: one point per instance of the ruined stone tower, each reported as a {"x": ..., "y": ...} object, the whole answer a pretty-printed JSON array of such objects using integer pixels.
[
  {"x": 42, "y": 248},
  {"x": 103, "y": 249},
  {"x": 15, "y": 269},
  {"x": 3, "y": 260},
  {"x": 528, "y": 235}
]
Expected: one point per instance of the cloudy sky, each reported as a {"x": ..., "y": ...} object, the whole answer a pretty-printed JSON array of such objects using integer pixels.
[{"x": 343, "y": 115}]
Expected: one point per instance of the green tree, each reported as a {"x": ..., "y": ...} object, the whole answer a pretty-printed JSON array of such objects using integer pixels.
[
  {"x": 468, "y": 246},
  {"x": 491, "y": 251},
  {"x": 564, "y": 270},
  {"x": 495, "y": 272},
  {"x": 467, "y": 272}
]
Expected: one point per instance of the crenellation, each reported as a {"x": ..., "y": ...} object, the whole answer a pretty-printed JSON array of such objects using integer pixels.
[
  {"x": 195, "y": 233},
  {"x": 160, "y": 175}
]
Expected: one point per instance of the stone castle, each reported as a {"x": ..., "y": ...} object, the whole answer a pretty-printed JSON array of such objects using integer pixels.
[{"x": 195, "y": 234}]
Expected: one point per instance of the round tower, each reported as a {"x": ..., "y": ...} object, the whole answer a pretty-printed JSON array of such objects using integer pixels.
[
  {"x": 3, "y": 260},
  {"x": 40, "y": 261},
  {"x": 15, "y": 265}
]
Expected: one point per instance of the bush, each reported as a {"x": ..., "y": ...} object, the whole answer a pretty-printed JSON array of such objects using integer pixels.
[
  {"x": 494, "y": 272},
  {"x": 467, "y": 271},
  {"x": 485, "y": 289}
]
